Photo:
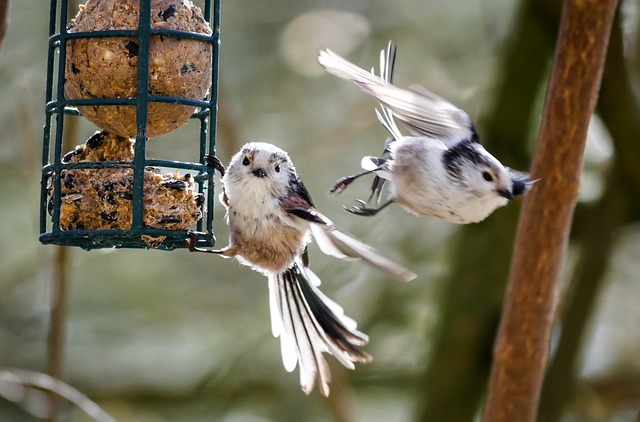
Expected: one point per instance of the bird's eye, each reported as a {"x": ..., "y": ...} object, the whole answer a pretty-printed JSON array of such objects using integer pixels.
[
  {"x": 246, "y": 161},
  {"x": 488, "y": 176},
  {"x": 277, "y": 168}
]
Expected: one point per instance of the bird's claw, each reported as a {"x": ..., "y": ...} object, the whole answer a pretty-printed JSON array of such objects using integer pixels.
[
  {"x": 192, "y": 241},
  {"x": 345, "y": 181},
  {"x": 363, "y": 210},
  {"x": 213, "y": 161},
  {"x": 341, "y": 185}
]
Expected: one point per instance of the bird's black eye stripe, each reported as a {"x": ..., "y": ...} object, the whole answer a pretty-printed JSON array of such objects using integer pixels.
[
  {"x": 487, "y": 176},
  {"x": 246, "y": 161},
  {"x": 277, "y": 168}
]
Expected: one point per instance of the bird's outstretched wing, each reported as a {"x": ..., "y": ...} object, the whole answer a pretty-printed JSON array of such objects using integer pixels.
[
  {"x": 337, "y": 242},
  {"x": 310, "y": 324},
  {"x": 423, "y": 112}
]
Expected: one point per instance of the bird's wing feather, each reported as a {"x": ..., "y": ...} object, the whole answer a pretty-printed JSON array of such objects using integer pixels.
[
  {"x": 425, "y": 113},
  {"x": 344, "y": 69},
  {"x": 422, "y": 111},
  {"x": 336, "y": 242}
]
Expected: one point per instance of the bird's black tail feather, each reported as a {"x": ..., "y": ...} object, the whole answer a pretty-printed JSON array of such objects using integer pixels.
[{"x": 310, "y": 324}]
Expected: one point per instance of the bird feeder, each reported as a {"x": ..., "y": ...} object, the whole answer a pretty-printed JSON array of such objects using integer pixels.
[{"x": 136, "y": 69}]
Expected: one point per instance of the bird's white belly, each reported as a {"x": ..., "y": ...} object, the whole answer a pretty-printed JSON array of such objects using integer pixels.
[
  {"x": 421, "y": 186},
  {"x": 265, "y": 237}
]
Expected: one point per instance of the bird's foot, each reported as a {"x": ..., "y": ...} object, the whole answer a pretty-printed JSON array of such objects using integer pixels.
[
  {"x": 345, "y": 181},
  {"x": 213, "y": 161},
  {"x": 363, "y": 210},
  {"x": 192, "y": 241},
  {"x": 342, "y": 184}
]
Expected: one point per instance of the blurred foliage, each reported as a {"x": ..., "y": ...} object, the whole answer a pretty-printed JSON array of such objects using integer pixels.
[{"x": 164, "y": 336}]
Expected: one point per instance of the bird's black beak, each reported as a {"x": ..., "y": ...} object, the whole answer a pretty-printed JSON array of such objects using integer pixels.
[
  {"x": 506, "y": 193},
  {"x": 519, "y": 187},
  {"x": 259, "y": 173},
  {"x": 521, "y": 182}
]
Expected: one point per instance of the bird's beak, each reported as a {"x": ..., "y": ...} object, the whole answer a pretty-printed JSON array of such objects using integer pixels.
[
  {"x": 506, "y": 193},
  {"x": 259, "y": 173},
  {"x": 519, "y": 187},
  {"x": 521, "y": 182}
]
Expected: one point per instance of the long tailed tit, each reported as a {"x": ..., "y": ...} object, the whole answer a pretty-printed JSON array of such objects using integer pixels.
[
  {"x": 271, "y": 217},
  {"x": 442, "y": 170}
]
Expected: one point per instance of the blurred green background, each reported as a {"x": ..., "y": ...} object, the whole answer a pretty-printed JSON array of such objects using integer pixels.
[{"x": 173, "y": 336}]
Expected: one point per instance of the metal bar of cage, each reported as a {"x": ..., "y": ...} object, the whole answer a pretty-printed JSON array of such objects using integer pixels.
[
  {"x": 142, "y": 104},
  {"x": 57, "y": 107}
]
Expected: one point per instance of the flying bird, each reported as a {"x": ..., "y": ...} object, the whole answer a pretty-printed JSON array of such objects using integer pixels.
[{"x": 441, "y": 170}]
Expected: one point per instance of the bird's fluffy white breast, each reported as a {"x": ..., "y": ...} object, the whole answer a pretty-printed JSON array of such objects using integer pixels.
[
  {"x": 250, "y": 199},
  {"x": 256, "y": 210}
]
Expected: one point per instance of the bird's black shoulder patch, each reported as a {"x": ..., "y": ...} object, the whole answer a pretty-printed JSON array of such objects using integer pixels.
[
  {"x": 308, "y": 215},
  {"x": 462, "y": 152},
  {"x": 300, "y": 189}
]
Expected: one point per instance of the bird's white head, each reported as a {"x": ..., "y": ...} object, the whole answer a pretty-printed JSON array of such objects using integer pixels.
[
  {"x": 260, "y": 167},
  {"x": 474, "y": 170}
]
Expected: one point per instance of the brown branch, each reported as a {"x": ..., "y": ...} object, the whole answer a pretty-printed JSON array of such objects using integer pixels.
[
  {"x": 57, "y": 327},
  {"x": 596, "y": 251},
  {"x": 455, "y": 381},
  {"x": 228, "y": 136},
  {"x": 521, "y": 350},
  {"x": 616, "y": 106},
  {"x": 4, "y": 19}
]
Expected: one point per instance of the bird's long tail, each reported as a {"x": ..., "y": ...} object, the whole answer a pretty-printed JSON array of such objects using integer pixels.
[{"x": 310, "y": 324}]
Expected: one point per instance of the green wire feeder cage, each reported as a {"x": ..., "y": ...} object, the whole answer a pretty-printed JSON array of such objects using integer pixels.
[{"x": 136, "y": 69}]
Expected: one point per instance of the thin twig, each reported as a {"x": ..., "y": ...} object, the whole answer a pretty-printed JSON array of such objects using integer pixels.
[{"x": 11, "y": 377}]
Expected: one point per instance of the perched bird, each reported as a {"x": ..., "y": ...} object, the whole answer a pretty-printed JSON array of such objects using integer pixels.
[
  {"x": 442, "y": 170},
  {"x": 271, "y": 217}
]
